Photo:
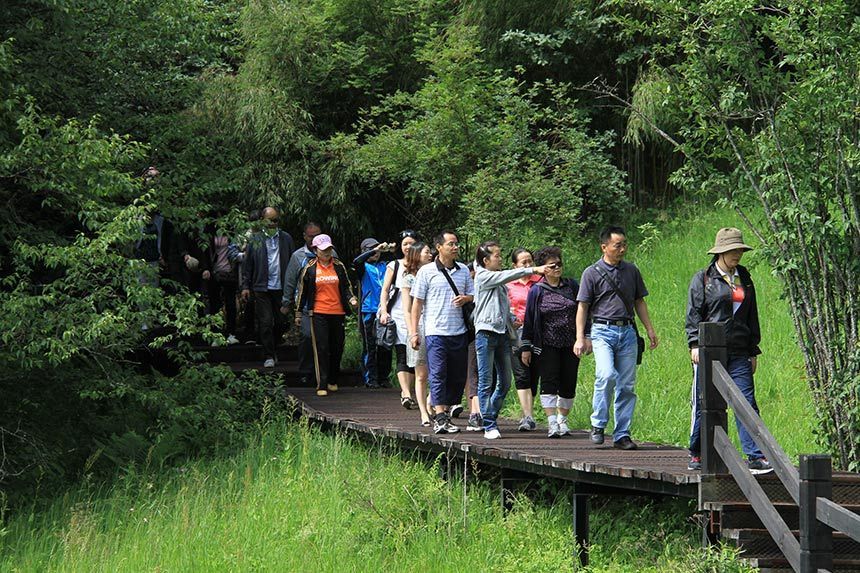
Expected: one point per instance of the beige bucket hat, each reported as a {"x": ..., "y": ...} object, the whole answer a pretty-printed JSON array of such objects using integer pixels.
[{"x": 728, "y": 239}]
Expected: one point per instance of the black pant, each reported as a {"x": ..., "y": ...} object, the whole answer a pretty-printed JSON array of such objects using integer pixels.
[
  {"x": 525, "y": 377},
  {"x": 270, "y": 323},
  {"x": 558, "y": 368},
  {"x": 375, "y": 360},
  {"x": 328, "y": 339},
  {"x": 224, "y": 292}
]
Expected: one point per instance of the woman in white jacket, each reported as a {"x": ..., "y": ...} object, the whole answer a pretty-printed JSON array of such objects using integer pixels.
[{"x": 493, "y": 330}]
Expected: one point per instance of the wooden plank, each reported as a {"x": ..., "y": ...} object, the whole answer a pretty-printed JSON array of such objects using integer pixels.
[
  {"x": 763, "y": 507},
  {"x": 838, "y": 518},
  {"x": 786, "y": 472}
]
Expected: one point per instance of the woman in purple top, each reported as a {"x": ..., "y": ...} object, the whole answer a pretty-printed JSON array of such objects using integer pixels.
[{"x": 549, "y": 332}]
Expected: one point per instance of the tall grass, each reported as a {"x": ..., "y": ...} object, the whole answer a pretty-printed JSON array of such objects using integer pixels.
[{"x": 299, "y": 500}]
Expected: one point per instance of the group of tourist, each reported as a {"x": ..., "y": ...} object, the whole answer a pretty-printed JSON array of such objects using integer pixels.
[
  {"x": 455, "y": 329},
  {"x": 469, "y": 328}
]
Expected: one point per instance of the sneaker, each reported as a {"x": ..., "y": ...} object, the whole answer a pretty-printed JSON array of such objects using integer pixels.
[
  {"x": 563, "y": 429},
  {"x": 624, "y": 443},
  {"x": 331, "y": 387},
  {"x": 527, "y": 424},
  {"x": 596, "y": 435},
  {"x": 232, "y": 340},
  {"x": 553, "y": 430},
  {"x": 695, "y": 464},
  {"x": 759, "y": 466},
  {"x": 456, "y": 410},
  {"x": 443, "y": 425},
  {"x": 475, "y": 423},
  {"x": 322, "y": 393},
  {"x": 493, "y": 434},
  {"x": 269, "y": 363}
]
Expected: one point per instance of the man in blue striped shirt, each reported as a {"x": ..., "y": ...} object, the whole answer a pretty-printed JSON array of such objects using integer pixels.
[{"x": 444, "y": 327}]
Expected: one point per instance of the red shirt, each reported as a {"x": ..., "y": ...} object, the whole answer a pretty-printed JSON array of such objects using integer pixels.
[{"x": 517, "y": 293}]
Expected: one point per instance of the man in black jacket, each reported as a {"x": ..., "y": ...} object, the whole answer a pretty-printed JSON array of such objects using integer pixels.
[{"x": 266, "y": 260}]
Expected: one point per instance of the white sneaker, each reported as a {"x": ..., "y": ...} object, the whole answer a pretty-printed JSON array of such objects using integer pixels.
[
  {"x": 269, "y": 363},
  {"x": 554, "y": 431},
  {"x": 563, "y": 429},
  {"x": 232, "y": 340},
  {"x": 493, "y": 434}
]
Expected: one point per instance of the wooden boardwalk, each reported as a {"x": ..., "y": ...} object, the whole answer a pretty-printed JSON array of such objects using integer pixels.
[{"x": 653, "y": 468}]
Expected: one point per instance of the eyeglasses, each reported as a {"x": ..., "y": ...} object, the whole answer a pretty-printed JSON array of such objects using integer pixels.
[{"x": 452, "y": 244}]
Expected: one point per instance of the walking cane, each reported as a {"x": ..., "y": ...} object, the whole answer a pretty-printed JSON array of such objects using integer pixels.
[{"x": 314, "y": 347}]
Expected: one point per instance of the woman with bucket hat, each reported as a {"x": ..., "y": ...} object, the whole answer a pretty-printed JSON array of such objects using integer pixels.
[
  {"x": 326, "y": 294},
  {"x": 724, "y": 292}
]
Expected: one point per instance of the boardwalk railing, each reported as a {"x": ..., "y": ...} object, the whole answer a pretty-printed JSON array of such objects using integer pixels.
[{"x": 810, "y": 488}]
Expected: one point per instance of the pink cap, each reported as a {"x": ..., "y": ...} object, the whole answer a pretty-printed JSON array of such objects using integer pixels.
[{"x": 321, "y": 242}]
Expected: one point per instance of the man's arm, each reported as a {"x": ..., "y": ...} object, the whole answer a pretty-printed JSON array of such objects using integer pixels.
[
  {"x": 582, "y": 346},
  {"x": 291, "y": 278}
]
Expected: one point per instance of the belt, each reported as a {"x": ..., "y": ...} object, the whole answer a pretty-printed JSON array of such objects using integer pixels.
[{"x": 623, "y": 322}]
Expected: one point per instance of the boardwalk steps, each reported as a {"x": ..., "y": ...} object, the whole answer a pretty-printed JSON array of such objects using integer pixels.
[{"x": 735, "y": 523}]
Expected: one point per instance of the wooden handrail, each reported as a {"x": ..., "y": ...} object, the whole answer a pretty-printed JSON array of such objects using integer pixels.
[
  {"x": 758, "y": 499},
  {"x": 733, "y": 396},
  {"x": 839, "y": 518},
  {"x": 810, "y": 488}
]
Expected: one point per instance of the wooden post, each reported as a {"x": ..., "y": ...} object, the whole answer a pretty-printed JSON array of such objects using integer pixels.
[
  {"x": 580, "y": 527},
  {"x": 712, "y": 346},
  {"x": 816, "y": 538},
  {"x": 509, "y": 479}
]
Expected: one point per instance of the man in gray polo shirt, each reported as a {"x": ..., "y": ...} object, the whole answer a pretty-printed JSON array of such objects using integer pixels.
[
  {"x": 444, "y": 327},
  {"x": 610, "y": 290}
]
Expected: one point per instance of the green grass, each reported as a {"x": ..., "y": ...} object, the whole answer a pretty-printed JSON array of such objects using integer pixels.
[{"x": 300, "y": 500}]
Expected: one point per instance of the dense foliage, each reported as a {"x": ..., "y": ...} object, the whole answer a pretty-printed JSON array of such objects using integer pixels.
[{"x": 371, "y": 116}]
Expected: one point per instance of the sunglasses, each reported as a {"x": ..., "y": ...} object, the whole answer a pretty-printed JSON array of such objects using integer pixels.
[{"x": 408, "y": 233}]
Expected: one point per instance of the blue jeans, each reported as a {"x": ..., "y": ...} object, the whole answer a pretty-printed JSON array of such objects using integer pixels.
[
  {"x": 446, "y": 361},
  {"x": 615, "y": 370},
  {"x": 493, "y": 350},
  {"x": 740, "y": 369}
]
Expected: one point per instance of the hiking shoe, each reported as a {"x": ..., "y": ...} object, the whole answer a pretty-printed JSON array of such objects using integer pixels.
[
  {"x": 759, "y": 466},
  {"x": 269, "y": 363},
  {"x": 456, "y": 410},
  {"x": 563, "y": 428},
  {"x": 625, "y": 443},
  {"x": 553, "y": 430},
  {"x": 596, "y": 435},
  {"x": 527, "y": 424},
  {"x": 331, "y": 387},
  {"x": 475, "y": 423},
  {"x": 695, "y": 464},
  {"x": 322, "y": 392},
  {"x": 493, "y": 434},
  {"x": 443, "y": 425}
]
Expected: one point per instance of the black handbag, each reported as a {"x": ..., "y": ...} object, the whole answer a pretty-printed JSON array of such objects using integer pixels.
[{"x": 386, "y": 334}]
